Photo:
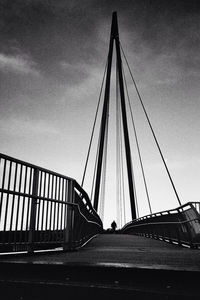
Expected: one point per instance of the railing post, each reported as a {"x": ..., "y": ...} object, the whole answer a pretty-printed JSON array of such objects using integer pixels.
[
  {"x": 69, "y": 224},
  {"x": 33, "y": 210}
]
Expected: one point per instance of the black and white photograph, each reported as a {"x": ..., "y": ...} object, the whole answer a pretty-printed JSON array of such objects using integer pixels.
[{"x": 99, "y": 149}]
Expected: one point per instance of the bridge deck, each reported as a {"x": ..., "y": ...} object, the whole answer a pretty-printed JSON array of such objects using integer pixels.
[
  {"x": 108, "y": 267},
  {"x": 120, "y": 251}
]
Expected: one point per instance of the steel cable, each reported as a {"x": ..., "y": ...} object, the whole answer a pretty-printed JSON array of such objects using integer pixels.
[
  {"x": 137, "y": 144},
  {"x": 150, "y": 125},
  {"x": 94, "y": 124}
]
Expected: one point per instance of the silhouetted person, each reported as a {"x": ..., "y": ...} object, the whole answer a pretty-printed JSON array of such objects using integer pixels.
[{"x": 113, "y": 226}]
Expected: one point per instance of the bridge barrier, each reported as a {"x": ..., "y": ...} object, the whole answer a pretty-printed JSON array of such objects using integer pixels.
[
  {"x": 180, "y": 225},
  {"x": 41, "y": 209}
]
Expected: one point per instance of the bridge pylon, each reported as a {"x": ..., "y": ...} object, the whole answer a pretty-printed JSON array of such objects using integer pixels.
[{"x": 114, "y": 40}]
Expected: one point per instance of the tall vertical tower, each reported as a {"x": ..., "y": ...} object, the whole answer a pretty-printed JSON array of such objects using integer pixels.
[{"x": 114, "y": 40}]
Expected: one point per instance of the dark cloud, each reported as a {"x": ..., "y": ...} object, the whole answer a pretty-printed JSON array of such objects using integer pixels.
[
  {"x": 51, "y": 32},
  {"x": 46, "y": 29}
]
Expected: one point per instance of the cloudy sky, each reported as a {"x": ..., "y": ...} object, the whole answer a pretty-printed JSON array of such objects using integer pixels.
[{"x": 52, "y": 58}]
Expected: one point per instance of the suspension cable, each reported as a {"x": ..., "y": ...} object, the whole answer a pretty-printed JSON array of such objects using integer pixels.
[
  {"x": 148, "y": 120},
  {"x": 137, "y": 143},
  {"x": 94, "y": 124}
]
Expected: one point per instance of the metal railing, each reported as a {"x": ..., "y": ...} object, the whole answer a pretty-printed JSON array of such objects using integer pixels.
[
  {"x": 180, "y": 225},
  {"x": 40, "y": 209}
]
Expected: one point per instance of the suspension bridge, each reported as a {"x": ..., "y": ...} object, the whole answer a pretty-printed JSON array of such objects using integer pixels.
[{"x": 52, "y": 240}]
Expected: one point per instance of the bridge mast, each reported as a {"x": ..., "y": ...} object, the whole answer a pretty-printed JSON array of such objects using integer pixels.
[
  {"x": 103, "y": 119},
  {"x": 114, "y": 36},
  {"x": 124, "y": 120}
]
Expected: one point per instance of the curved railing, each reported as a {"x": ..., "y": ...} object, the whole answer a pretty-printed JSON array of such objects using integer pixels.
[
  {"x": 180, "y": 225},
  {"x": 41, "y": 209}
]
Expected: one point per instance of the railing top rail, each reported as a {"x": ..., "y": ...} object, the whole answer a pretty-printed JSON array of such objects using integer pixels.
[
  {"x": 76, "y": 185},
  {"x": 18, "y": 161},
  {"x": 87, "y": 199},
  {"x": 161, "y": 213}
]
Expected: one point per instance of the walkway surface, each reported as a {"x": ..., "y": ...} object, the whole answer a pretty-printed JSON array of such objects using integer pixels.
[
  {"x": 120, "y": 251},
  {"x": 110, "y": 266}
]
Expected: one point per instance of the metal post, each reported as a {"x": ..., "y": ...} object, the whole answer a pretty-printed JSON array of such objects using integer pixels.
[
  {"x": 33, "y": 210},
  {"x": 69, "y": 222}
]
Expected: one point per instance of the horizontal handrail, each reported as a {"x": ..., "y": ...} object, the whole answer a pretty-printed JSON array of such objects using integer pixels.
[
  {"x": 21, "y": 162},
  {"x": 180, "y": 225},
  {"x": 76, "y": 206},
  {"x": 160, "y": 213},
  {"x": 35, "y": 197},
  {"x": 87, "y": 199},
  {"x": 73, "y": 205}
]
